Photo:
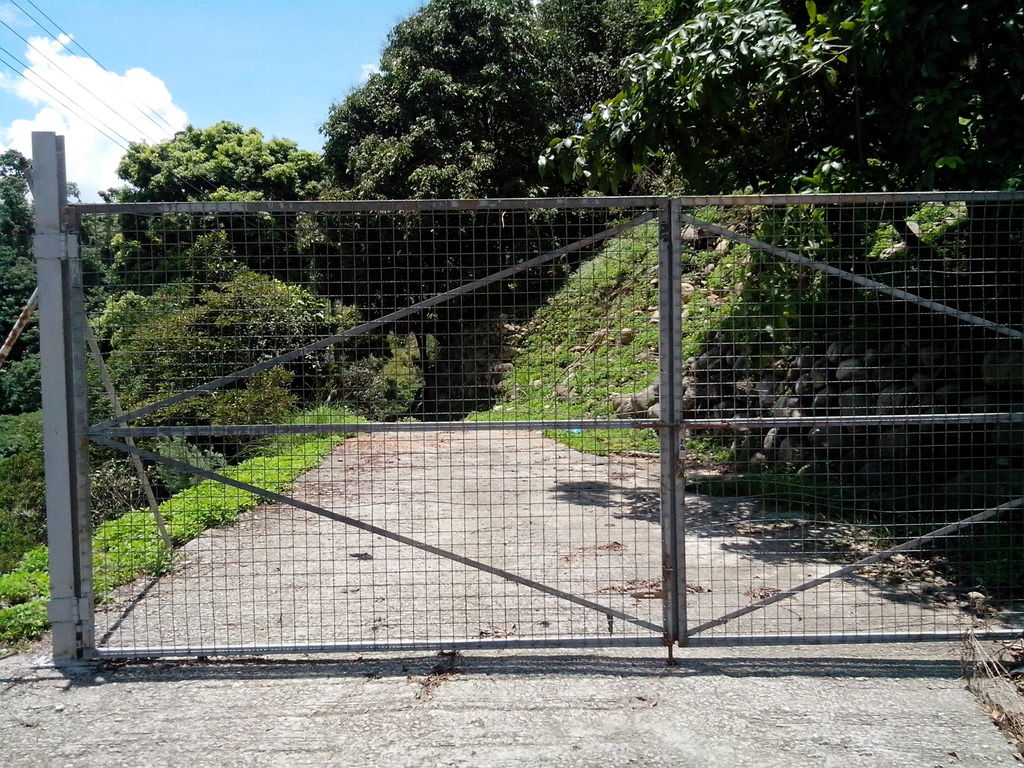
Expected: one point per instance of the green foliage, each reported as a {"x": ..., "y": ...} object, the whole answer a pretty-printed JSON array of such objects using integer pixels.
[
  {"x": 22, "y": 492},
  {"x": 22, "y": 586},
  {"x": 115, "y": 489},
  {"x": 835, "y": 96},
  {"x": 585, "y": 40},
  {"x": 19, "y": 377},
  {"x": 22, "y": 622},
  {"x": 591, "y": 340},
  {"x": 129, "y": 546},
  {"x": 184, "y": 334},
  {"x": 36, "y": 560},
  {"x": 460, "y": 107},
  {"x": 179, "y": 449},
  {"x": 384, "y": 386},
  {"x": 19, "y": 381},
  {"x": 222, "y": 162}
]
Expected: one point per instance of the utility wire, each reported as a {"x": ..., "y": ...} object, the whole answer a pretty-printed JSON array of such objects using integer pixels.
[
  {"x": 77, "y": 82},
  {"x": 148, "y": 112},
  {"x": 124, "y": 146},
  {"x": 185, "y": 182},
  {"x": 58, "y": 26},
  {"x": 70, "y": 109}
]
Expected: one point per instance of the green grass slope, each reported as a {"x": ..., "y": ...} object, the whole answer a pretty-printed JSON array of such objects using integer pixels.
[
  {"x": 596, "y": 337},
  {"x": 129, "y": 546}
]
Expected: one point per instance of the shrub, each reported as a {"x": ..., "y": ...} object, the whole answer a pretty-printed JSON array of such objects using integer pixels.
[
  {"x": 179, "y": 449},
  {"x": 383, "y": 387},
  {"x": 22, "y": 489},
  {"x": 115, "y": 489},
  {"x": 22, "y": 622},
  {"x": 20, "y": 587},
  {"x": 19, "y": 385},
  {"x": 186, "y": 333}
]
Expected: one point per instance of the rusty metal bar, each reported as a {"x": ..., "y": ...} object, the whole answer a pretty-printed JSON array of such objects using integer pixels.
[{"x": 19, "y": 325}]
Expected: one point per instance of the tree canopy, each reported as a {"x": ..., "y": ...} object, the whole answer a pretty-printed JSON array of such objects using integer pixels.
[
  {"x": 222, "y": 162},
  {"x": 853, "y": 94},
  {"x": 459, "y": 108}
]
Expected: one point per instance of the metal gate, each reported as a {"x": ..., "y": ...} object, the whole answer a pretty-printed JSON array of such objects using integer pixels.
[{"x": 396, "y": 425}]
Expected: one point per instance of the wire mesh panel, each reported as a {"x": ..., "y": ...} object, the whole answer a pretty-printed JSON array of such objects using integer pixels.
[
  {"x": 376, "y": 424},
  {"x": 443, "y": 424},
  {"x": 854, "y": 404}
]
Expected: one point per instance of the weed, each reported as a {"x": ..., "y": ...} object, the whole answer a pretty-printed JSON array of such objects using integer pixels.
[{"x": 129, "y": 546}]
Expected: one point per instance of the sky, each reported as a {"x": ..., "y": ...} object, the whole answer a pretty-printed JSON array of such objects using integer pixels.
[{"x": 162, "y": 65}]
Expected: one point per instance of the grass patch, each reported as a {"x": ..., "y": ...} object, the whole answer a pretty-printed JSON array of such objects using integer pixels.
[
  {"x": 596, "y": 337},
  {"x": 129, "y": 547}
]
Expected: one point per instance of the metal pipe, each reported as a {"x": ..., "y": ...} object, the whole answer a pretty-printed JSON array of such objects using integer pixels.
[
  {"x": 368, "y": 206},
  {"x": 386, "y": 646},
  {"x": 228, "y": 430},
  {"x": 19, "y": 325},
  {"x": 691, "y": 201},
  {"x": 718, "y": 641}
]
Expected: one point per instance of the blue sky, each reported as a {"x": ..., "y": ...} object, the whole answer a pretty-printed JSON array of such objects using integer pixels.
[{"x": 277, "y": 66}]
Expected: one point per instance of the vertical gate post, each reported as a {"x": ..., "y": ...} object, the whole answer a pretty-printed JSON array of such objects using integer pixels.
[
  {"x": 62, "y": 363},
  {"x": 670, "y": 398}
]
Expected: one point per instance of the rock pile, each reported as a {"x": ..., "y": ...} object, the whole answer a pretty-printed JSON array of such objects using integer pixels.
[{"x": 854, "y": 379}]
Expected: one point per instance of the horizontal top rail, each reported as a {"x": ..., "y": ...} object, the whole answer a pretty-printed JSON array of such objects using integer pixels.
[
  {"x": 381, "y": 206},
  {"x": 852, "y": 198},
  {"x": 367, "y": 206}
]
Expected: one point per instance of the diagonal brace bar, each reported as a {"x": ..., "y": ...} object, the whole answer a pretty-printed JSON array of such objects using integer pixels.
[
  {"x": 852, "y": 567},
  {"x": 866, "y": 282},
  {"x": 115, "y": 406},
  {"x": 372, "y": 325},
  {"x": 370, "y": 528}
]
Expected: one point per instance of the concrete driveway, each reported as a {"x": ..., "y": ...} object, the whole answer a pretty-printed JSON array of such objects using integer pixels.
[{"x": 893, "y": 705}]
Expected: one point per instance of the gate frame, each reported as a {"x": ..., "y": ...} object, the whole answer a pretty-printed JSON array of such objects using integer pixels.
[{"x": 67, "y": 434}]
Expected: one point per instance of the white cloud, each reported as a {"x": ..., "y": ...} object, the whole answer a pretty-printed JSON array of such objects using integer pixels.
[
  {"x": 368, "y": 70},
  {"x": 10, "y": 15},
  {"x": 63, "y": 88}
]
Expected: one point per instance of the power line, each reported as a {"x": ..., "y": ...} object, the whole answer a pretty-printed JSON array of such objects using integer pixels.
[
  {"x": 184, "y": 182},
  {"x": 148, "y": 112},
  {"x": 77, "y": 82},
  {"x": 125, "y": 147},
  {"x": 70, "y": 109},
  {"x": 58, "y": 26}
]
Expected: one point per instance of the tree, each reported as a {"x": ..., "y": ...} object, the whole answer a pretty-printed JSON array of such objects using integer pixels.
[
  {"x": 19, "y": 377},
  {"x": 222, "y": 162},
  {"x": 460, "y": 107},
  {"x": 774, "y": 95},
  {"x": 585, "y": 41}
]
